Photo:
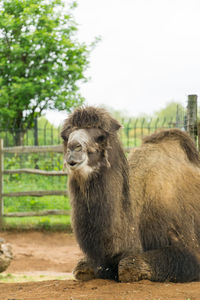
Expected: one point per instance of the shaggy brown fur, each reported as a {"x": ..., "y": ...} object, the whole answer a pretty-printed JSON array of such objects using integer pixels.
[{"x": 136, "y": 219}]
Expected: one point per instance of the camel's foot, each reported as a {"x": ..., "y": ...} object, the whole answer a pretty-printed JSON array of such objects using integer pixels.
[
  {"x": 133, "y": 268},
  {"x": 84, "y": 271}
]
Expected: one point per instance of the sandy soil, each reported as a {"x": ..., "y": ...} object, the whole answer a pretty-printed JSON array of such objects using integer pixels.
[{"x": 57, "y": 253}]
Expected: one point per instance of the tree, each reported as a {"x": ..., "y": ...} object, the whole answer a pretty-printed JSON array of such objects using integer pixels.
[
  {"x": 41, "y": 62},
  {"x": 172, "y": 111}
]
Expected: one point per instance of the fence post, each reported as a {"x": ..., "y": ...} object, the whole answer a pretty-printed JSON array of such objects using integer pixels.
[
  {"x": 1, "y": 183},
  {"x": 198, "y": 129},
  {"x": 192, "y": 116}
]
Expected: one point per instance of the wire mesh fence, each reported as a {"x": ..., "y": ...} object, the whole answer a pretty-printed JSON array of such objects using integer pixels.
[
  {"x": 135, "y": 130},
  {"x": 131, "y": 134},
  {"x": 32, "y": 137}
]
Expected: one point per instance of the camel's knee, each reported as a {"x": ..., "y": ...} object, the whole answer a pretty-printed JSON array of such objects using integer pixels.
[
  {"x": 83, "y": 271},
  {"x": 176, "y": 264}
]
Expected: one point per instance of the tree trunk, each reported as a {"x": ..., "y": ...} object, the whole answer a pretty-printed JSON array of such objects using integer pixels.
[
  {"x": 18, "y": 129},
  {"x": 18, "y": 137}
]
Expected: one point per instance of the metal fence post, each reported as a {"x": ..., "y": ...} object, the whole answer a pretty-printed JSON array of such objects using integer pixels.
[
  {"x": 1, "y": 183},
  {"x": 192, "y": 116}
]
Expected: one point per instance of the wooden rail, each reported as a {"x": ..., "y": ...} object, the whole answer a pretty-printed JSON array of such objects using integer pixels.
[
  {"x": 36, "y": 193},
  {"x": 33, "y": 149},
  {"x": 39, "y": 213},
  {"x": 34, "y": 171}
]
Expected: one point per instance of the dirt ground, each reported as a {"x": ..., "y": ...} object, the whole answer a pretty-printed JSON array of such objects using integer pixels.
[{"x": 57, "y": 254}]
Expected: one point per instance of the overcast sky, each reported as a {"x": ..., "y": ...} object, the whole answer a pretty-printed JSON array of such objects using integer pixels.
[{"x": 149, "y": 54}]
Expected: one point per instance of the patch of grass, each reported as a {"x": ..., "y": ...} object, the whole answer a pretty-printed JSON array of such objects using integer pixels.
[
  {"x": 11, "y": 278},
  {"x": 48, "y": 223}
]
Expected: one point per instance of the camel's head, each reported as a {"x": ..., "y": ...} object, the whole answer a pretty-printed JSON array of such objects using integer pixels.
[{"x": 87, "y": 134}]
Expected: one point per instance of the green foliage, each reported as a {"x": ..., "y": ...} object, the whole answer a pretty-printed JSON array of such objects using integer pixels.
[
  {"x": 171, "y": 110},
  {"x": 42, "y": 161},
  {"x": 48, "y": 134},
  {"x": 134, "y": 129},
  {"x": 41, "y": 62}
]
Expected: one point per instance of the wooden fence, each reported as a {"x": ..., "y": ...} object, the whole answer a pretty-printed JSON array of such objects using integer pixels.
[{"x": 28, "y": 149}]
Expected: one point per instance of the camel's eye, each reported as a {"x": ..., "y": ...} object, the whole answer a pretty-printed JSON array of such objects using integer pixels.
[
  {"x": 78, "y": 148},
  {"x": 101, "y": 138}
]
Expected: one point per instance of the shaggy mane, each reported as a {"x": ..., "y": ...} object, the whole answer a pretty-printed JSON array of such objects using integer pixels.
[
  {"x": 92, "y": 117},
  {"x": 184, "y": 139}
]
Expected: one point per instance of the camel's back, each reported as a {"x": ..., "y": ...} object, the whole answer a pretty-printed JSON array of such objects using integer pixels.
[
  {"x": 164, "y": 157},
  {"x": 165, "y": 184},
  {"x": 162, "y": 166}
]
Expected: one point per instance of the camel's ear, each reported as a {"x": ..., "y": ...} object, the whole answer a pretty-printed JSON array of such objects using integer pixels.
[
  {"x": 115, "y": 125},
  {"x": 65, "y": 131},
  {"x": 64, "y": 135}
]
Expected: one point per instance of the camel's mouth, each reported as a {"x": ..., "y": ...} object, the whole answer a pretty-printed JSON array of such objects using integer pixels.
[
  {"x": 81, "y": 167},
  {"x": 73, "y": 164},
  {"x": 77, "y": 165}
]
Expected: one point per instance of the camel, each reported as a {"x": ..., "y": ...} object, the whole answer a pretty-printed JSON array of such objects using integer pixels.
[{"x": 138, "y": 217}]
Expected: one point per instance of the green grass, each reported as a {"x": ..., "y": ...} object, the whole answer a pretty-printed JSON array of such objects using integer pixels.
[
  {"x": 12, "y": 278},
  {"x": 28, "y": 182},
  {"x": 48, "y": 223}
]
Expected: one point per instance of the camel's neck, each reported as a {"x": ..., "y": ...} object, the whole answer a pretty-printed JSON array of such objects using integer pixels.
[{"x": 98, "y": 210}]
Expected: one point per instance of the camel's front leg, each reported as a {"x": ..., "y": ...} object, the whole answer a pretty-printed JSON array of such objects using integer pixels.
[{"x": 84, "y": 270}]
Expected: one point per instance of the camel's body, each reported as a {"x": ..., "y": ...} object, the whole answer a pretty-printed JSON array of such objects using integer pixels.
[{"x": 137, "y": 219}]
